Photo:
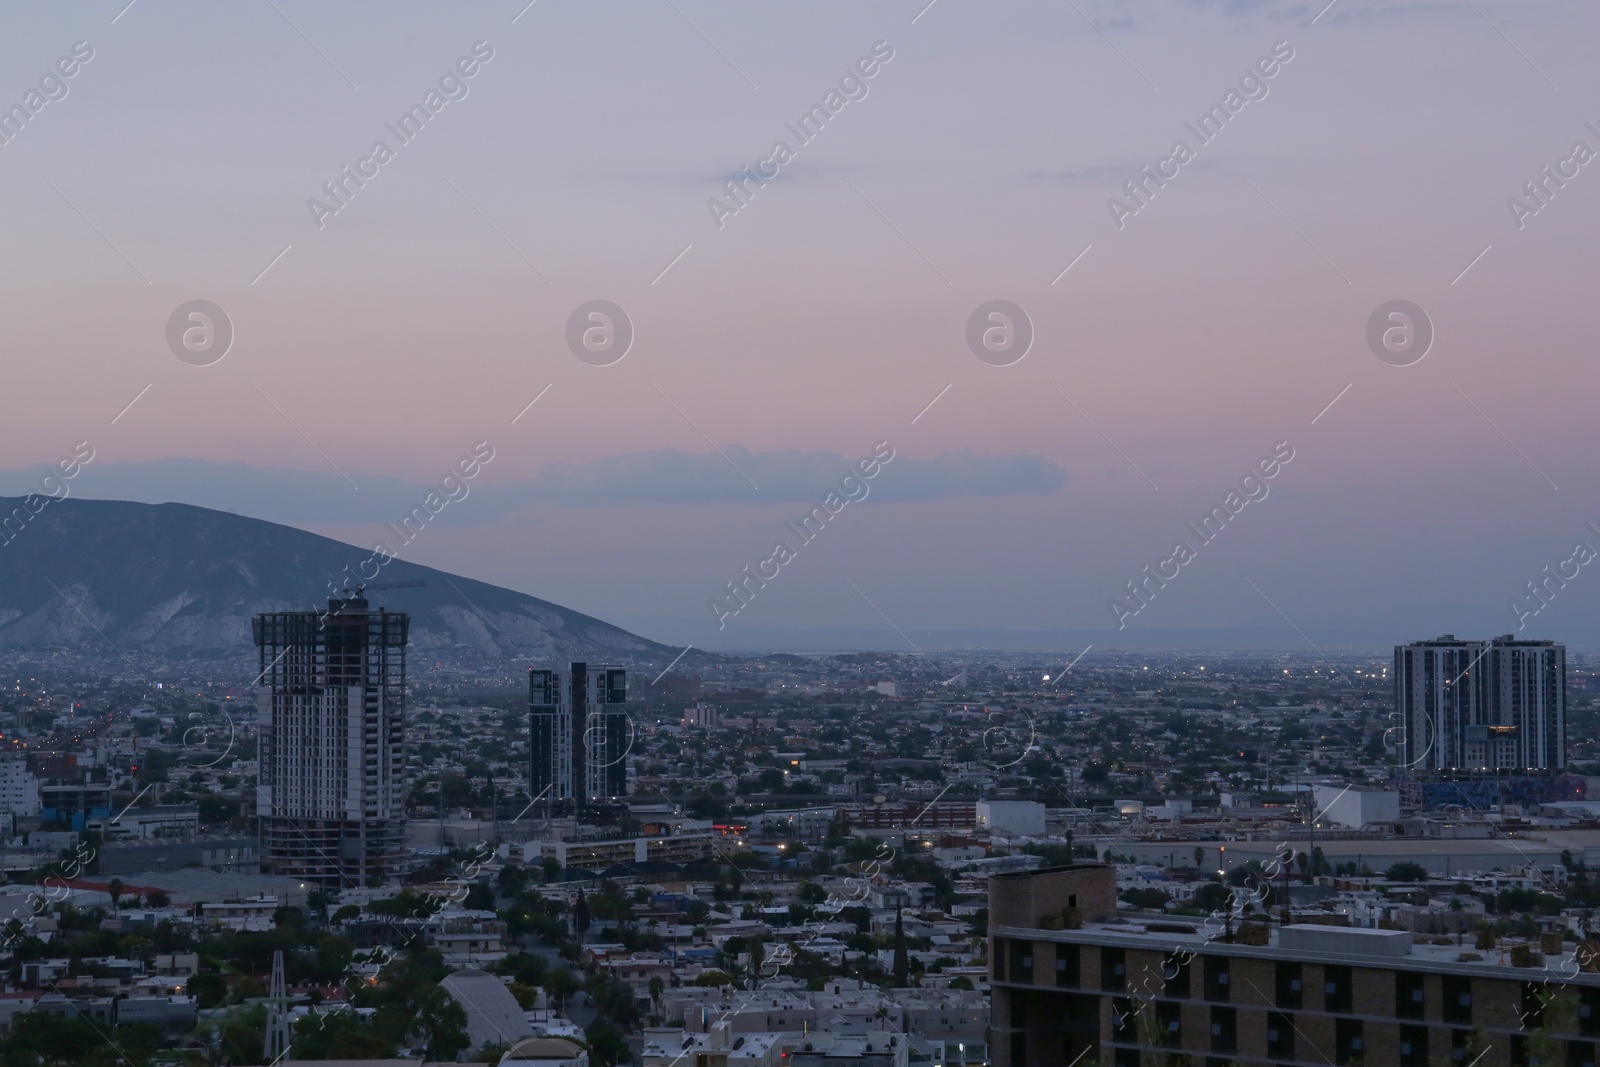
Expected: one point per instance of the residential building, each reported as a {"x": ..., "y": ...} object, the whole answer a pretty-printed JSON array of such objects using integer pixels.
[
  {"x": 19, "y": 789},
  {"x": 1496, "y": 705},
  {"x": 331, "y": 709},
  {"x": 580, "y": 735},
  {"x": 1070, "y": 977},
  {"x": 701, "y": 715}
]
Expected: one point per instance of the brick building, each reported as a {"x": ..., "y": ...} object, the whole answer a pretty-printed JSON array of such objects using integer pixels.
[{"x": 1071, "y": 978}]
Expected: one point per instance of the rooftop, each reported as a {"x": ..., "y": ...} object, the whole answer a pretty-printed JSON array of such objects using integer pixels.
[{"x": 1326, "y": 944}]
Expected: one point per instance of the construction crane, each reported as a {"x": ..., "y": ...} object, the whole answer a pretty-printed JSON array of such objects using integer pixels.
[{"x": 360, "y": 588}]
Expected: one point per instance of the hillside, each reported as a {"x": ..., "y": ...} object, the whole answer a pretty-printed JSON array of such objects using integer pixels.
[{"x": 176, "y": 579}]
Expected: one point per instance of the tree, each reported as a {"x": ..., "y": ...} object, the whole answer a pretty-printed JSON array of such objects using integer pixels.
[
  {"x": 158, "y": 898},
  {"x": 606, "y": 1045},
  {"x": 209, "y": 990},
  {"x": 491, "y": 1052},
  {"x": 340, "y": 1035},
  {"x": 443, "y": 1022},
  {"x": 580, "y": 915},
  {"x": 714, "y": 978},
  {"x": 1145, "y": 897},
  {"x": 1213, "y": 896},
  {"x": 551, "y": 868},
  {"x": 479, "y": 898},
  {"x": 901, "y": 965},
  {"x": 1407, "y": 871},
  {"x": 1556, "y": 1012},
  {"x": 559, "y": 984},
  {"x": 657, "y": 987},
  {"x": 513, "y": 878},
  {"x": 114, "y": 888},
  {"x": 758, "y": 955}
]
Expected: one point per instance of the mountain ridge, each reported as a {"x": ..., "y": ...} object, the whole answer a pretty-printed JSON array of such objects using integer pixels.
[{"x": 198, "y": 575}]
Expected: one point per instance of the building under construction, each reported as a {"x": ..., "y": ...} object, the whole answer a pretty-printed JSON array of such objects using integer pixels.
[{"x": 330, "y": 708}]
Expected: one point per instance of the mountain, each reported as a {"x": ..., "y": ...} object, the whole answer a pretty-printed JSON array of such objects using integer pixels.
[{"x": 178, "y": 579}]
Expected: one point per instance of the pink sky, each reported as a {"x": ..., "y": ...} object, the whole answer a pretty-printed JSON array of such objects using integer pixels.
[{"x": 824, "y": 316}]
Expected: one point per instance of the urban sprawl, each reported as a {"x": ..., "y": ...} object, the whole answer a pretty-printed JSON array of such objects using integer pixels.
[{"x": 346, "y": 848}]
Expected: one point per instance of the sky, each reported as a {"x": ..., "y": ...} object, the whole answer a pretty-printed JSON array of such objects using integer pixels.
[{"x": 1178, "y": 339}]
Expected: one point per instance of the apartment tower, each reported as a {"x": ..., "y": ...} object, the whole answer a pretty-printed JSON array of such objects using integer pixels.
[
  {"x": 330, "y": 707},
  {"x": 1498, "y": 705},
  {"x": 580, "y": 734}
]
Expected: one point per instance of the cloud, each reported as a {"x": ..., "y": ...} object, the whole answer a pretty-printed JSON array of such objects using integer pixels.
[
  {"x": 670, "y": 476},
  {"x": 665, "y": 476}
]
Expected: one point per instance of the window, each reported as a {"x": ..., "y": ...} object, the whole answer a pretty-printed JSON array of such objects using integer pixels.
[
  {"x": 1580, "y": 1054},
  {"x": 1067, "y": 965},
  {"x": 1124, "y": 1020},
  {"x": 1589, "y": 1011},
  {"x": 1347, "y": 1041},
  {"x": 1126, "y": 1057},
  {"x": 1169, "y": 1024},
  {"x": 1457, "y": 999},
  {"x": 1413, "y": 1046},
  {"x": 1113, "y": 970},
  {"x": 1020, "y": 964},
  {"x": 1216, "y": 977},
  {"x": 1290, "y": 985},
  {"x": 1335, "y": 988},
  {"x": 1175, "y": 971},
  {"x": 1280, "y": 1036},
  {"x": 1224, "y": 1030},
  {"x": 1408, "y": 1002},
  {"x": 1460, "y": 1040}
]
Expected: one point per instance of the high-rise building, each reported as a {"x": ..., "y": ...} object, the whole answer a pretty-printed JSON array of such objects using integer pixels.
[
  {"x": 580, "y": 735},
  {"x": 19, "y": 790},
  {"x": 330, "y": 709},
  {"x": 1498, "y": 705}
]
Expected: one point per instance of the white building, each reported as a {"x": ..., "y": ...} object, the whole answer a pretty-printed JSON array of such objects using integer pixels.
[
  {"x": 701, "y": 715},
  {"x": 19, "y": 790},
  {"x": 1355, "y": 807},
  {"x": 1017, "y": 818}
]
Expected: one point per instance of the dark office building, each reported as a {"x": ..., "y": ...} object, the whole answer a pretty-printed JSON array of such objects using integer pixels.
[
  {"x": 580, "y": 735},
  {"x": 330, "y": 705}
]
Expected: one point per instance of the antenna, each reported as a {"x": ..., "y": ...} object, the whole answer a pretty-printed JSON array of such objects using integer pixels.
[{"x": 279, "y": 1034}]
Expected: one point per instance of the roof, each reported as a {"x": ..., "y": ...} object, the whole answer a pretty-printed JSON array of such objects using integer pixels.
[
  {"x": 541, "y": 1048},
  {"x": 1362, "y": 948},
  {"x": 493, "y": 1014}
]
